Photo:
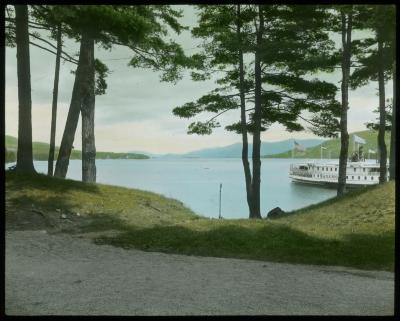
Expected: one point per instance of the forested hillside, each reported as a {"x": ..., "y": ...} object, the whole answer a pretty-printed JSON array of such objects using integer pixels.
[
  {"x": 333, "y": 146},
  {"x": 41, "y": 152}
]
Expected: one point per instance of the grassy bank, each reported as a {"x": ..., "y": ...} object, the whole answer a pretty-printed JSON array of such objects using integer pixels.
[
  {"x": 356, "y": 230},
  {"x": 41, "y": 152},
  {"x": 333, "y": 145}
]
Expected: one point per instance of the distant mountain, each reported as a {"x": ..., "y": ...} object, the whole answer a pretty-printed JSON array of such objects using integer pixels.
[
  {"x": 333, "y": 147},
  {"x": 267, "y": 148},
  {"x": 235, "y": 150},
  {"x": 144, "y": 153}
]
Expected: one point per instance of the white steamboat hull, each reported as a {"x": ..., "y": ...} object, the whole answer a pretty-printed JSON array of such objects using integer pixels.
[
  {"x": 329, "y": 183},
  {"x": 358, "y": 174}
]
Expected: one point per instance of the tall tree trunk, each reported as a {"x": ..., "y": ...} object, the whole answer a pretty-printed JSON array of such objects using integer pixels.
[
  {"x": 74, "y": 109},
  {"x": 344, "y": 135},
  {"x": 382, "y": 115},
  {"x": 255, "y": 213},
  {"x": 54, "y": 105},
  {"x": 392, "y": 164},
  {"x": 88, "y": 105},
  {"x": 24, "y": 152},
  {"x": 245, "y": 146}
]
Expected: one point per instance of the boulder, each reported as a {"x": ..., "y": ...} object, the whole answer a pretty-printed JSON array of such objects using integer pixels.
[{"x": 276, "y": 212}]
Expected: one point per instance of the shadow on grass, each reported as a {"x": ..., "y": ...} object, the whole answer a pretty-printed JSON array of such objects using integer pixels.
[
  {"x": 51, "y": 203},
  {"x": 271, "y": 242},
  {"x": 27, "y": 210},
  {"x": 16, "y": 181}
]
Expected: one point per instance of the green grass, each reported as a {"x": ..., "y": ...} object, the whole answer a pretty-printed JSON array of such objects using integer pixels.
[
  {"x": 333, "y": 145},
  {"x": 356, "y": 230},
  {"x": 41, "y": 152}
]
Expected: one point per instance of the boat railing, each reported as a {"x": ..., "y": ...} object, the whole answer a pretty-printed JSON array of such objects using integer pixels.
[{"x": 300, "y": 172}]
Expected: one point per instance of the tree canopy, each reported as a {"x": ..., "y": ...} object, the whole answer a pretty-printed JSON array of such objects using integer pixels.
[{"x": 291, "y": 47}]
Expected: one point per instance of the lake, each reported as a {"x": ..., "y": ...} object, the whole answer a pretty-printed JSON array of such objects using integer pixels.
[{"x": 196, "y": 181}]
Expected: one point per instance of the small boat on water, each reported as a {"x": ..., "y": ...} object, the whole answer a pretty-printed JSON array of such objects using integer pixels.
[{"x": 358, "y": 174}]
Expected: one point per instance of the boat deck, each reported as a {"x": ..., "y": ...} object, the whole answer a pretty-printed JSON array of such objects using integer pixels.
[{"x": 359, "y": 174}]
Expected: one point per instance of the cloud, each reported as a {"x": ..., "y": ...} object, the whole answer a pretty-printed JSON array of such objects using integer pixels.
[
  {"x": 153, "y": 137},
  {"x": 136, "y": 111}
]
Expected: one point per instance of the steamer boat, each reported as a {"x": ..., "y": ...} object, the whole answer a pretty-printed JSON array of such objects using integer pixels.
[{"x": 359, "y": 172}]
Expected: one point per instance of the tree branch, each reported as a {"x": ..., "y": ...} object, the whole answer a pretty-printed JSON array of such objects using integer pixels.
[
  {"x": 31, "y": 24},
  {"x": 71, "y": 59},
  {"x": 224, "y": 111},
  {"x": 41, "y": 28},
  {"x": 66, "y": 59},
  {"x": 307, "y": 120}
]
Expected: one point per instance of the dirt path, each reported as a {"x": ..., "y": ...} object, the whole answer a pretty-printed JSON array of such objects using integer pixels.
[{"x": 60, "y": 274}]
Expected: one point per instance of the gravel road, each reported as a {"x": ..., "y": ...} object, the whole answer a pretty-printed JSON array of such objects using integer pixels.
[{"x": 61, "y": 274}]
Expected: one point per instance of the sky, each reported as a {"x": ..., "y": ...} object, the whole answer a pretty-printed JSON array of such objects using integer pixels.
[{"x": 135, "y": 114}]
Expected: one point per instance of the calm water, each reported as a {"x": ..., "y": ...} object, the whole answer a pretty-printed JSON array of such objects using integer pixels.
[{"x": 195, "y": 182}]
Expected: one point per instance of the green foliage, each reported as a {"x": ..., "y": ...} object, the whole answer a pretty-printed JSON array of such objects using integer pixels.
[
  {"x": 382, "y": 20},
  {"x": 323, "y": 124},
  {"x": 293, "y": 47},
  {"x": 168, "y": 58},
  {"x": 202, "y": 128},
  {"x": 188, "y": 110},
  {"x": 50, "y": 18},
  {"x": 213, "y": 102},
  {"x": 142, "y": 28},
  {"x": 207, "y": 103},
  {"x": 388, "y": 120},
  {"x": 101, "y": 72},
  {"x": 9, "y": 23}
]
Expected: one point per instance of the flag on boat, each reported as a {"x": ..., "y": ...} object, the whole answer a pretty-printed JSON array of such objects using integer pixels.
[
  {"x": 299, "y": 147},
  {"x": 359, "y": 140}
]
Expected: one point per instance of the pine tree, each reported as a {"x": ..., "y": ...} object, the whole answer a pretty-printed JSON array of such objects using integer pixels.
[
  {"x": 345, "y": 19},
  {"x": 54, "y": 104},
  {"x": 273, "y": 80},
  {"x": 24, "y": 152},
  {"x": 142, "y": 29},
  {"x": 376, "y": 57},
  {"x": 243, "y": 118},
  {"x": 346, "y": 15},
  {"x": 221, "y": 29},
  {"x": 392, "y": 162},
  {"x": 43, "y": 18}
]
